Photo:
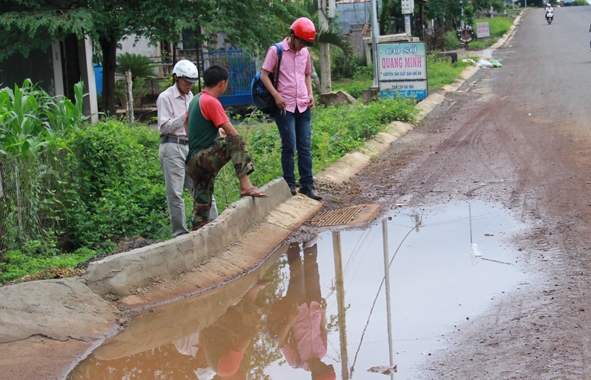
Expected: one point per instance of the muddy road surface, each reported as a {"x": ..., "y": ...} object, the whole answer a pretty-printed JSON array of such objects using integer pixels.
[{"x": 518, "y": 136}]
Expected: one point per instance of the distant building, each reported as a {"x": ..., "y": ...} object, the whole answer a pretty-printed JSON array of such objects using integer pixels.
[{"x": 56, "y": 71}]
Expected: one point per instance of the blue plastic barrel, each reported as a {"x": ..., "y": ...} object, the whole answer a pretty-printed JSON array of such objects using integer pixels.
[{"x": 98, "y": 77}]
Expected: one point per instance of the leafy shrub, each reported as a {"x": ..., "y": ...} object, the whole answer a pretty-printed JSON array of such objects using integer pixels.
[
  {"x": 343, "y": 67},
  {"x": 139, "y": 65},
  {"x": 117, "y": 178},
  {"x": 338, "y": 130},
  {"x": 141, "y": 68},
  {"x": 363, "y": 72},
  {"x": 451, "y": 40},
  {"x": 32, "y": 124}
]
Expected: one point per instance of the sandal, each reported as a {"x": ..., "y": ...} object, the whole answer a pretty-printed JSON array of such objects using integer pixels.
[{"x": 254, "y": 192}]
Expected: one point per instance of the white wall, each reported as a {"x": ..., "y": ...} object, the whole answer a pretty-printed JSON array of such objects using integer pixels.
[{"x": 129, "y": 45}]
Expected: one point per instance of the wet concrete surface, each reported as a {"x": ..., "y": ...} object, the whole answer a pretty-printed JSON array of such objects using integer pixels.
[{"x": 333, "y": 286}]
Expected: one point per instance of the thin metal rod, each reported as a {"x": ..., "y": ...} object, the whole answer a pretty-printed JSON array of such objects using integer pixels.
[
  {"x": 387, "y": 280},
  {"x": 470, "y": 214},
  {"x": 342, "y": 309}
]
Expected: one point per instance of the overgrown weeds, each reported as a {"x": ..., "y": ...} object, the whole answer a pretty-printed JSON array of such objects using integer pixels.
[{"x": 88, "y": 187}]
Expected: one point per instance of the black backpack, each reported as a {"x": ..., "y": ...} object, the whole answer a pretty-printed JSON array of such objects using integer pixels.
[{"x": 261, "y": 97}]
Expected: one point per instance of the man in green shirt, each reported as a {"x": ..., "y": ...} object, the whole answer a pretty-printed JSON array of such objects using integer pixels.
[{"x": 213, "y": 141}]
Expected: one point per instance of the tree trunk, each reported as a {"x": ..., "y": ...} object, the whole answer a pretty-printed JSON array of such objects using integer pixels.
[
  {"x": 109, "y": 49},
  {"x": 315, "y": 79}
]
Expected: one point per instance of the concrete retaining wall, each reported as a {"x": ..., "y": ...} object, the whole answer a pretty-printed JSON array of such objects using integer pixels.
[{"x": 122, "y": 274}]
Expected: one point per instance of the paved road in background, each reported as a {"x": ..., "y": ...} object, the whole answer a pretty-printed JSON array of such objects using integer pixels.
[{"x": 518, "y": 136}]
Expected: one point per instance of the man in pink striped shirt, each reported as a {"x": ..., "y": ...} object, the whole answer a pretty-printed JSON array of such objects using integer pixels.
[{"x": 294, "y": 99}]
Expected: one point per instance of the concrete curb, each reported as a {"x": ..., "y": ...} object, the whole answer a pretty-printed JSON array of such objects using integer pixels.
[
  {"x": 121, "y": 274},
  {"x": 167, "y": 271},
  {"x": 351, "y": 163}
]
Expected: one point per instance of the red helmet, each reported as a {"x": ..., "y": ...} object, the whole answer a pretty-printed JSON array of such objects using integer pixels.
[{"x": 304, "y": 29}]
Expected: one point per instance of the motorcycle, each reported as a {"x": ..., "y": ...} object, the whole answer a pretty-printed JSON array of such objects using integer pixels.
[{"x": 549, "y": 17}]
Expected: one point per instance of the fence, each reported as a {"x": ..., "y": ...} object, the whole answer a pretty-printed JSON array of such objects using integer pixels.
[
  {"x": 24, "y": 212},
  {"x": 7, "y": 205},
  {"x": 242, "y": 67}
]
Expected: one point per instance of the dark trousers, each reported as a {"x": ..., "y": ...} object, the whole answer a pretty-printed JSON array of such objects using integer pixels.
[{"x": 294, "y": 129}]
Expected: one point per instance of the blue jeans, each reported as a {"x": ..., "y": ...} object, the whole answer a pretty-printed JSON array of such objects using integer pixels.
[{"x": 294, "y": 129}]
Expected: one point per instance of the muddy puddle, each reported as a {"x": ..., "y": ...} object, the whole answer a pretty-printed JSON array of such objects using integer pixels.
[{"x": 324, "y": 309}]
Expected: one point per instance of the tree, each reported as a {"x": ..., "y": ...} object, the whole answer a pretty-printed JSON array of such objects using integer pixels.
[{"x": 34, "y": 24}]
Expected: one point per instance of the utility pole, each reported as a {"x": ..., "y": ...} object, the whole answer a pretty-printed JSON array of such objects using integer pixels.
[
  {"x": 324, "y": 12},
  {"x": 375, "y": 32},
  {"x": 407, "y": 10}
]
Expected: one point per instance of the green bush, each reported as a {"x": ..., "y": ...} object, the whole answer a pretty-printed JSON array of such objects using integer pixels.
[
  {"x": 139, "y": 65},
  {"x": 451, "y": 40},
  {"x": 32, "y": 126},
  {"x": 343, "y": 67},
  {"x": 338, "y": 130},
  {"x": 102, "y": 183},
  {"x": 118, "y": 183}
]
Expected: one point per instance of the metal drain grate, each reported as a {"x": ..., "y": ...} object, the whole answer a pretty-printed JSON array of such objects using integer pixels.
[{"x": 336, "y": 217}]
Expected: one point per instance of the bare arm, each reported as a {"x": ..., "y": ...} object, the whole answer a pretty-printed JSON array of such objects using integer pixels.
[
  {"x": 228, "y": 128},
  {"x": 310, "y": 92},
  {"x": 269, "y": 86},
  {"x": 283, "y": 332}
]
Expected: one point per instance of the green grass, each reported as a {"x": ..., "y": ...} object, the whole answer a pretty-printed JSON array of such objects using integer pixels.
[
  {"x": 121, "y": 192},
  {"x": 353, "y": 87},
  {"x": 498, "y": 26},
  {"x": 441, "y": 72},
  {"x": 335, "y": 131},
  {"x": 18, "y": 263}
]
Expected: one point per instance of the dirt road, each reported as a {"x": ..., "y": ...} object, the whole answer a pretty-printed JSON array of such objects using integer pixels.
[{"x": 523, "y": 132}]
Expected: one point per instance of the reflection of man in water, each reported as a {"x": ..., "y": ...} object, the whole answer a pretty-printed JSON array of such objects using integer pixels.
[
  {"x": 225, "y": 341},
  {"x": 297, "y": 322}
]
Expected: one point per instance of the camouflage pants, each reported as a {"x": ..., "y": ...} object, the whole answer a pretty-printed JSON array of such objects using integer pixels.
[{"x": 205, "y": 165}]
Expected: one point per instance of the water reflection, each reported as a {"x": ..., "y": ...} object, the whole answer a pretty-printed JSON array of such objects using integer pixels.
[
  {"x": 319, "y": 309},
  {"x": 297, "y": 321}
]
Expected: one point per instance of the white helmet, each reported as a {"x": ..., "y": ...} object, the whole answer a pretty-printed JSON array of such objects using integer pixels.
[{"x": 187, "y": 70}]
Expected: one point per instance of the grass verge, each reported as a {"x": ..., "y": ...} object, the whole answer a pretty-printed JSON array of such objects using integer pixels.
[{"x": 335, "y": 131}]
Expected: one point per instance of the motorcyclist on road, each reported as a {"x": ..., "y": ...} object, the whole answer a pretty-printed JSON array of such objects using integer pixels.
[
  {"x": 549, "y": 8},
  {"x": 549, "y": 12}
]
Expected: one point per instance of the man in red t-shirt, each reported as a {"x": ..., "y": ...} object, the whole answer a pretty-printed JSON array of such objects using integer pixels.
[{"x": 208, "y": 151}]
